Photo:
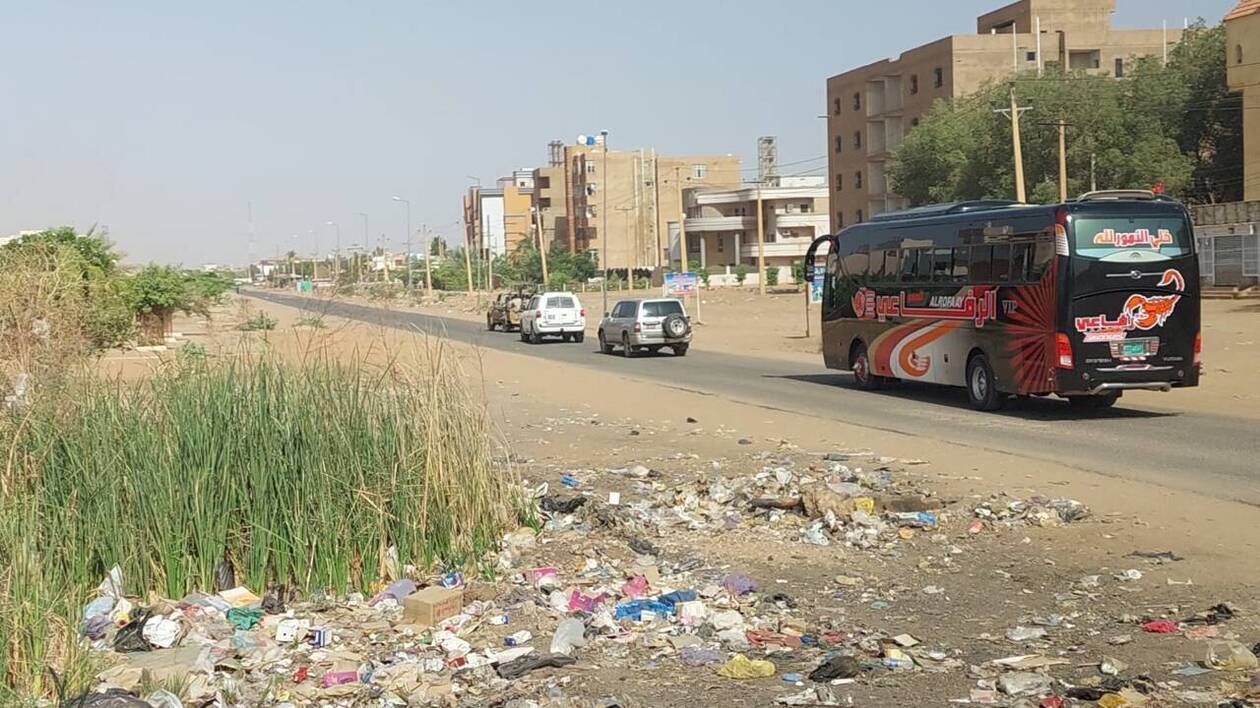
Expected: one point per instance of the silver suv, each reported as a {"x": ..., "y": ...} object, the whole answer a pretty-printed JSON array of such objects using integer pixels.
[{"x": 636, "y": 325}]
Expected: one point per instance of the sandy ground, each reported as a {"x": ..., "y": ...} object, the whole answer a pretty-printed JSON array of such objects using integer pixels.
[{"x": 566, "y": 419}]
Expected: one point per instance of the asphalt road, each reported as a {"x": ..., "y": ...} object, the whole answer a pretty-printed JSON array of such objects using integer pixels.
[{"x": 1211, "y": 454}]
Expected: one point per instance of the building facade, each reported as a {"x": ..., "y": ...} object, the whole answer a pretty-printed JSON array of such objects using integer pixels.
[
  {"x": 721, "y": 226},
  {"x": 871, "y": 109},
  {"x": 1242, "y": 62},
  {"x": 642, "y": 193}
]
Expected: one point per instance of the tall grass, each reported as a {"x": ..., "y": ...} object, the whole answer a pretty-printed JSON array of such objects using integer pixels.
[{"x": 300, "y": 474}]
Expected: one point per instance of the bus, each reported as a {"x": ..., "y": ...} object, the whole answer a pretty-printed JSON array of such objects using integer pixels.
[{"x": 1083, "y": 300}]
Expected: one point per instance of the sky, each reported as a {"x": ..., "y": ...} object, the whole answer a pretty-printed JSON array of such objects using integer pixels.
[{"x": 170, "y": 122}]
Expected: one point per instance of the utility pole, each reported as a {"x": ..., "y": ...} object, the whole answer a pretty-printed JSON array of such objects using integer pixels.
[
  {"x": 358, "y": 268},
  {"x": 761, "y": 244},
  {"x": 428, "y": 256},
  {"x": 1063, "y": 180},
  {"x": 542, "y": 244},
  {"x": 336, "y": 253},
  {"x": 407, "y": 258},
  {"x": 1093, "y": 177},
  {"x": 603, "y": 252},
  {"x": 682, "y": 224},
  {"x": 1013, "y": 113}
]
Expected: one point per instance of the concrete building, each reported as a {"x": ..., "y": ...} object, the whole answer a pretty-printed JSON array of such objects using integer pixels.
[
  {"x": 1228, "y": 240},
  {"x": 1242, "y": 61},
  {"x": 870, "y": 109},
  {"x": 643, "y": 194},
  {"x": 551, "y": 197},
  {"x": 721, "y": 226},
  {"x": 484, "y": 228}
]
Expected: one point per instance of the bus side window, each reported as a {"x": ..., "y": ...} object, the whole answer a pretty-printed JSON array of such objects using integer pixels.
[
  {"x": 923, "y": 272},
  {"x": 1043, "y": 254},
  {"x": 856, "y": 265},
  {"x": 1001, "y": 264},
  {"x": 981, "y": 264},
  {"x": 909, "y": 259},
  {"x": 942, "y": 264},
  {"x": 962, "y": 264},
  {"x": 878, "y": 260},
  {"x": 1021, "y": 257}
]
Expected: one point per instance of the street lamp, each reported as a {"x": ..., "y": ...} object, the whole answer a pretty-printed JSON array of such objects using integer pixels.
[
  {"x": 336, "y": 252},
  {"x": 603, "y": 187},
  {"x": 408, "y": 257},
  {"x": 358, "y": 272}
]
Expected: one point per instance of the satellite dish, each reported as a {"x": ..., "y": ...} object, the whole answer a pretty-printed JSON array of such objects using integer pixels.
[{"x": 582, "y": 140}]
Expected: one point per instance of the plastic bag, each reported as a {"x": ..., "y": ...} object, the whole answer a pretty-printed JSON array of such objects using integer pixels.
[
  {"x": 131, "y": 637},
  {"x": 224, "y": 575}
]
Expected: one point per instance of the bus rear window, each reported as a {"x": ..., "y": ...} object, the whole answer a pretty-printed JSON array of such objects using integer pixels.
[{"x": 1130, "y": 238}]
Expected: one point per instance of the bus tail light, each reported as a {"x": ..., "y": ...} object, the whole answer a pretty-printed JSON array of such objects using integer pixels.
[
  {"x": 1198, "y": 349},
  {"x": 1060, "y": 231},
  {"x": 1063, "y": 351}
]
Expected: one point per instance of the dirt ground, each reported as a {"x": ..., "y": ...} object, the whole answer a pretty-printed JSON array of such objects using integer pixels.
[{"x": 957, "y": 592}]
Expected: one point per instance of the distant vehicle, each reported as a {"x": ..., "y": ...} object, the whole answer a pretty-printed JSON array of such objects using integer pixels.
[
  {"x": 1085, "y": 299},
  {"x": 553, "y": 314},
  {"x": 505, "y": 311},
  {"x": 651, "y": 325}
]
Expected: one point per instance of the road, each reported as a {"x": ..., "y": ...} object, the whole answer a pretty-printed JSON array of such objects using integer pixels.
[{"x": 1209, "y": 454}]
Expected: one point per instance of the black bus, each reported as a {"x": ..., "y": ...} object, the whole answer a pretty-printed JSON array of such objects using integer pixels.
[{"x": 1085, "y": 299}]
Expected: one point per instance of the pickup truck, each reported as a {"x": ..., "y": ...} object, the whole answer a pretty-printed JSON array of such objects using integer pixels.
[{"x": 505, "y": 312}]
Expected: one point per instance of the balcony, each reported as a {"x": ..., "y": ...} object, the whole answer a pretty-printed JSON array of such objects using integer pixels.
[
  {"x": 721, "y": 223},
  {"x": 803, "y": 220}
]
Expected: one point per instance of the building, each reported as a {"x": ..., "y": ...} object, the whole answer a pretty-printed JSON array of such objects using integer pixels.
[
  {"x": 1227, "y": 237},
  {"x": 484, "y": 228},
  {"x": 551, "y": 197},
  {"x": 870, "y": 109},
  {"x": 721, "y": 226},
  {"x": 1242, "y": 61},
  {"x": 643, "y": 194}
]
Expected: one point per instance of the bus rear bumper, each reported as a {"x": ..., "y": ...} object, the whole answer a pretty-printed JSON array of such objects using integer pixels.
[
  {"x": 1113, "y": 387},
  {"x": 1085, "y": 385}
]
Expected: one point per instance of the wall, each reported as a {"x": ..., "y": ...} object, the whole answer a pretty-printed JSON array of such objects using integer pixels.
[
  {"x": 516, "y": 216},
  {"x": 1243, "y": 35}
]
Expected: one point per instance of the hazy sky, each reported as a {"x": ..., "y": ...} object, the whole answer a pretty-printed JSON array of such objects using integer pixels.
[{"x": 164, "y": 119}]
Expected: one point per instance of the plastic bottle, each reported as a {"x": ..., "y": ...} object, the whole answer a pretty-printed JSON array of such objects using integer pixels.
[{"x": 570, "y": 633}]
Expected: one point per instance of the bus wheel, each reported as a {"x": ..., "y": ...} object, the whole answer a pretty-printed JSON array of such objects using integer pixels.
[
  {"x": 861, "y": 366},
  {"x": 1094, "y": 403},
  {"x": 982, "y": 385}
]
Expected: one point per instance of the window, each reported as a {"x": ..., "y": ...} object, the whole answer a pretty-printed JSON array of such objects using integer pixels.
[
  {"x": 914, "y": 122},
  {"x": 839, "y": 220},
  {"x": 544, "y": 182},
  {"x": 661, "y": 308},
  {"x": 1119, "y": 68},
  {"x": 856, "y": 263},
  {"x": 857, "y": 100},
  {"x": 562, "y": 302},
  {"x": 857, "y": 138},
  {"x": 1021, "y": 256},
  {"x": 916, "y": 265},
  {"x": 1031, "y": 56},
  {"x": 1084, "y": 59},
  {"x": 807, "y": 208},
  {"x": 591, "y": 188},
  {"x": 837, "y": 106},
  {"x": 839, "y": 182},
  {"x": 857, "y": 177},
  {"x": 879, "y": 265},
  {"x": 544, "y": 202},
  {"x": 939, "y": 74},
  {"x": 839, "y": 144},
  {"x": 1043, "y": 255},
  {"x": 623, "y": 309},
  {"x": 699, "y": 171},
  {"x": 859, "y": 216},
  {"x": 914, "y": 84},
  {"x": 590, "y": 167},
  {"x": 1238, "y": 54}
]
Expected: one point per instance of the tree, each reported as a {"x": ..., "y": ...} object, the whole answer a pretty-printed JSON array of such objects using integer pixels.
[
  {"x": 156, "y": 292},
  {"x": 1131, "y": 130}
]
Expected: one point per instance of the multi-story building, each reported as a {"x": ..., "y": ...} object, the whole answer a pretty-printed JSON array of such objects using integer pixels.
[
  {"x": 498, "y": 219},
  {"x": 642, "y": 192},
  {"x": 721, "y": 226},
  {"x": 1242, "y": 61},
  {"x": 870, "y": 109},
  {"x": 551, "y": 197}
]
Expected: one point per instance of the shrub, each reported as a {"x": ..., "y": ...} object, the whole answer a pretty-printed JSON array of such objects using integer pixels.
[
  {"x": 772, "y": 276},
  {"x": 261, "y": 321},
  {"x": 741, "y": 274}
]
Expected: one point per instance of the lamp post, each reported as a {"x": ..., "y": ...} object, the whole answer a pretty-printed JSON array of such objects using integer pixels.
[
  {"x": 408, "y": 257},
  {"x": 603, "y": 231},
  {"x": 428, "y": 269},
  {"x": 358, "y": 270},
  {"x": 336, "y": 252}
]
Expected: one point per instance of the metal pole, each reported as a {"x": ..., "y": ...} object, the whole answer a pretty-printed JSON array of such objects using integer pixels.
[
  {"x": 603, "y": 252},
  {"x": 407, "y": 258},
  {"x": 1019, "y": 152},
  {"x": 1040, "y": 64},
  {"x": 807, "y": 310},
  {"x": 542, "y": 245},
  {"x": 1063, "y": 180},
  {"x": 761, "y": 245},
  {"x": 684, "y": 267},
  {"x": 428, "y": 255},
  {"x": 358, "y": 269}
]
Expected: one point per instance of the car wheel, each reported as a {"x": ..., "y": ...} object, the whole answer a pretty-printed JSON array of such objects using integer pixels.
[
  {"x": 524, "y": 337},
  {"x": 579, "y": 337},
  {"x": 1094, "y": 403},
  {"x": 862, "y": 374},
  {"x": 604, "y": 346},
  {"x": 626, "y": 350},
  {"x": 564, "y": 337},
  {"x": 681, "y": 349},
  {"x": 982, "y": 385}
]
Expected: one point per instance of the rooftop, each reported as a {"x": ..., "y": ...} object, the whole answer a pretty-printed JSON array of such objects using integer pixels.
[{"x": 1244, "y": 8}]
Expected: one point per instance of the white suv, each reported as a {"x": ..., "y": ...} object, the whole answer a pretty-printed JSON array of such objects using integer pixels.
[{"x": 553, "y": 314}]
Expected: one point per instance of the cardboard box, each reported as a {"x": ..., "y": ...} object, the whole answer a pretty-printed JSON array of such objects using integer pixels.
[{"x": 431, "y": 605}]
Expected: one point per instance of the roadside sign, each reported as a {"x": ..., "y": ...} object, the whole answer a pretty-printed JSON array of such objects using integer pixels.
[
  {"x": 679, "y": 284},
  {"x": 816, "y": 285}
]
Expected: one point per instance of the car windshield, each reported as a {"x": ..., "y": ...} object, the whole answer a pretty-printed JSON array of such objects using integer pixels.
[
  {"x": 1131, "y": 238},
  {"x": 561, "y": 302},
  {"x": 662, "y": 308}
]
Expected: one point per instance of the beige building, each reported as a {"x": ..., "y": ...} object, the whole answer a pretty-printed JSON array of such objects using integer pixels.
[
  {"x": 551, "y": 198},
  {"x": 642, "y": 192},
  {"x": 870, "y": 109},
  {"x": 721, "y": 226},
  {"x": 1242, "y": 42}
]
